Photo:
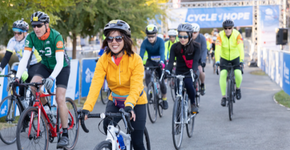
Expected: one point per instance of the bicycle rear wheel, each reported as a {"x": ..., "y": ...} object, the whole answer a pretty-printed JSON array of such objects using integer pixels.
[
  {"x": 152, "y": 103},
  {"x": 105, "y": 93},
  {"x": 177, "y": 123},
  {"x": 9, "y": 117},
  {"x": 172, "y": 88},
  {"x": 31, "y": 141},
  {"x": 73, "y": 124},
  {"x": 105, "y": 145},
  {"x": 229, "y": 99}
]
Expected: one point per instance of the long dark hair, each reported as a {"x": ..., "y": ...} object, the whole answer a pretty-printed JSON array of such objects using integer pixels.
[{"x": 127, "y": 43}]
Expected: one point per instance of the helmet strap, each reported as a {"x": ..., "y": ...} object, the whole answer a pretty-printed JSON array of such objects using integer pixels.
[{"x": 116, "y": 54}]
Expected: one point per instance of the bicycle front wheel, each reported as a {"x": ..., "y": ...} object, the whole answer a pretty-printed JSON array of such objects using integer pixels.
[
  {"x": 177, "y": 123},
  {"x": 147, "y": 140},
  {"x": 9, "y": 117},
  {"x": 152, "y": 103},
  {"x": 197, "y": 95},
  {"x": 27, "y": 129},
  {"x": 105, "y": 145},
  {"x": 229, "y": 99},
  {"x": 190, "y": 122},
  {"x": 73, "y": 124}
]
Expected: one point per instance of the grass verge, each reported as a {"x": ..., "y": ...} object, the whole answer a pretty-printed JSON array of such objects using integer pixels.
[{"x": 283, "y": 98}]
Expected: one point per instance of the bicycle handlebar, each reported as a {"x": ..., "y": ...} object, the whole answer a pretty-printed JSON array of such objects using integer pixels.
[
  {"x": 35, "y": 84},
  {"x": 124, "y": 115},
  {"x": 229, "y": 66}
]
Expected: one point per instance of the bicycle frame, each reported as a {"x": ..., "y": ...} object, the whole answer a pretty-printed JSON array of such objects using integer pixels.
[
  {"x": 53, "y": 129},
  {"x": 113, "y": 138}
]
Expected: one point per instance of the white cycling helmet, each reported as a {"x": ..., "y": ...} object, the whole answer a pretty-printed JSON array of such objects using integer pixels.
[
  {"x": 195, "y": 27},
  {"x": 172, "y": 33}
]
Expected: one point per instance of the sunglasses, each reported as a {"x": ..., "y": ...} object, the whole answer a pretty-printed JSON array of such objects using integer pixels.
[
  {"x": 150, "y": 37},
  {"x": 38, "y": 26},
  {"x": 184, "y": 37},
  {"x": 17, "y": 33},
  {"x": 228, "y": 28},
  {"x": 118, "y": 39},
  {"x": 172, "y": 36}
]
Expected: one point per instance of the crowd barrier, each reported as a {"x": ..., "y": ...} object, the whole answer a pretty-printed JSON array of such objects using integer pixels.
[{"x": 276, "y": 64}]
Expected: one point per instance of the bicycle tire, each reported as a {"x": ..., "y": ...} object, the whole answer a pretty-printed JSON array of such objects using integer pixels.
[
  {"x": 23, "y": 124},
  {"x": 147, "y": 139},
  {"x": 177, "y": 118},
  {"x": 104, "y": 144},
  {"x": 152, "y": 103},
  {"x": 160, "y": 101},
  {"x": 105, "y": 95},
  {"x": 229, "y": 99},
  {"x": 72, "y": 109},
  {"x": 8, "y": 134}
]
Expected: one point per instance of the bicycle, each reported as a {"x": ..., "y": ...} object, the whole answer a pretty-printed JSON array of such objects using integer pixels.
[
  {"x": 181, "y": 113},
  {"x": 231, "y": 87},
  {"x": 154, "y": 95},
  {"x": 113, "y": 132},
  {"x": 11, "y": 107},
  {"x": 172, "y": 84},
  {"x": 36, "y": 127}
]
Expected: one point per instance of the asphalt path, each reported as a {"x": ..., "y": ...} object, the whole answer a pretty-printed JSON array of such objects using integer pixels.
[{"x": 258, "y": 122}]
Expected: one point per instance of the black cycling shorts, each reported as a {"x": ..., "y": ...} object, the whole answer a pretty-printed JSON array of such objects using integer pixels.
[
  {"x": 61, "y": 79},
  {"x": 234, "y": 62}
]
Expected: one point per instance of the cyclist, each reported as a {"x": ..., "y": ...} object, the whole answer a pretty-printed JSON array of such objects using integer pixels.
[
  {"x": 55, "y": 65},
  {"x": 16, "y": 44},
  {"x": 187, "y": 53},
  {"x": 172, "y": 39},
  {"x": 199, "y": 38},
  {"x": 213, "y": 46},
  {"x": 229, "y": 49},
  {"x": 155, "y": 49},
  {"x": 124, "y": 70}
]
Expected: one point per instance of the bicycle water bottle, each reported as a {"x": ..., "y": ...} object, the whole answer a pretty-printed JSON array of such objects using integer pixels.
[
  {"x": 121, "y": 142},
  {"x": 53, "y": 113}
]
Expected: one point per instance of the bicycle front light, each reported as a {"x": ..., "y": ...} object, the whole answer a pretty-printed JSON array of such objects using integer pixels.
[{"x": 102, "y": 115}]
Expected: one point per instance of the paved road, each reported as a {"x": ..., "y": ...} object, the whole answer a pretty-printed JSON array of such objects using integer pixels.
[{"x": 258, "y": 122}]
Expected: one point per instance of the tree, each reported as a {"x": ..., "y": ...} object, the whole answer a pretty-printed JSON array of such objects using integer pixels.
[
  {"x": 13, "y": 10},
  {"x": 89, "y": 17}
]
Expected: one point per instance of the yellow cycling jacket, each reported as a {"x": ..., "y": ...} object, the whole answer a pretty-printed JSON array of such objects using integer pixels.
[
  {"x": 168, "y": 45},
  {"x": 125, "y": 79},
  {"x": 229, "y": 48}
]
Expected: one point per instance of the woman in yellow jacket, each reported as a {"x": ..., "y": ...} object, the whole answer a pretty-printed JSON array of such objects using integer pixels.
[{"x": 124, "y": 71}]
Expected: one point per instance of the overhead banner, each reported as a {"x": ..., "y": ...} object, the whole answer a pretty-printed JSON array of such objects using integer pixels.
[
  {"x": 212, "y": 17},
  {"x": 268, "y": 23}
]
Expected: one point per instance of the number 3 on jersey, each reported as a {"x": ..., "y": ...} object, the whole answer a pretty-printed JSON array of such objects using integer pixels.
[{"x": 46, "y": 52}]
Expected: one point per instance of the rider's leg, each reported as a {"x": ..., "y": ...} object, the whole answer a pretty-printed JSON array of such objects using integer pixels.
[
  {"x": 163, "y": 89},
  {"x": 137, "y": 135},
  {"x": 147, "y": 73},
  {"x": 38, "y": 78},
  {"x": 113, "y": 109},
  {"x": 63, "y": 110},
  {"x": 238, "y": 78},
  {"x": 202, "y": 78},
  {"x": 191, "y": 93},
  {"x": 223, "y": 85}
]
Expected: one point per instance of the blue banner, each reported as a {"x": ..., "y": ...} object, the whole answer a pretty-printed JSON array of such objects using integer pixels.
[
  {"x": 286, "y": 66},
  {"x": 213, "y": 17},
  {"x": 88, "y": 69}
]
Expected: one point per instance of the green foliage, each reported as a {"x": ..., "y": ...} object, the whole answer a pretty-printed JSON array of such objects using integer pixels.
[{"x": 12, "y": 10}]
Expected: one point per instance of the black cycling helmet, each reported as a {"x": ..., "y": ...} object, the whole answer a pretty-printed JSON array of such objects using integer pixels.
[
  {"x": 39, "y": 17},
  {"x": 20, "y": 24},
  {"x": 185, "y": 27},
  {"x": 151, "y": 29},
  {"x": 228, "y": 23},
  {"x": 117, "y": 25}
]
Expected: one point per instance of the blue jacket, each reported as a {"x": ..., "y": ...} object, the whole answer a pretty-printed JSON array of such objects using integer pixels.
[
  {"x": 155, "y": 49},
  {"x": 202, "y": 41}
]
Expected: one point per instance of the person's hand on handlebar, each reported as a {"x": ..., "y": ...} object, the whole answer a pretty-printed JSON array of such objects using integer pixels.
[
  {"x": 129, "y": 109},
  {"x": 161, "y": 64},
  {"x": 85, "y": 114}
]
